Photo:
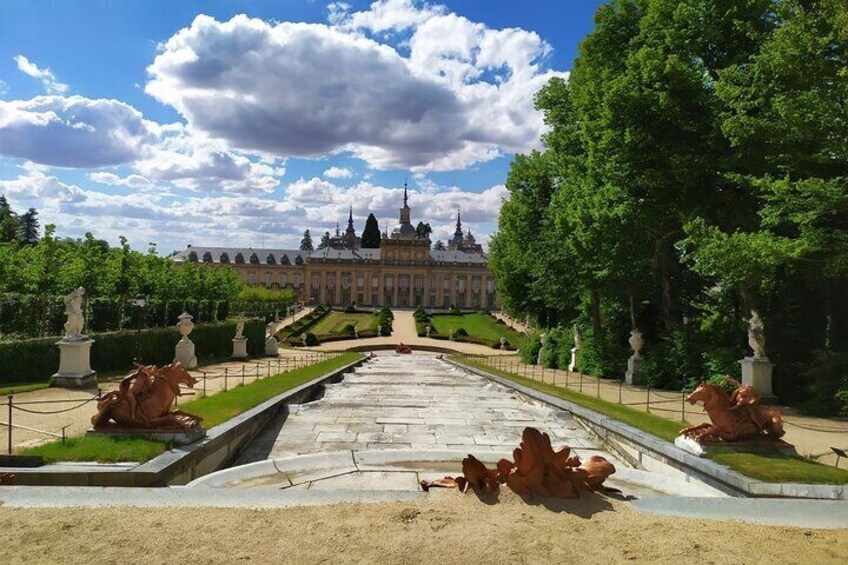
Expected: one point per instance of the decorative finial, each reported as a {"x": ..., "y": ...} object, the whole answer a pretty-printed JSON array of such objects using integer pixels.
[{"x": 405, "y": 196}]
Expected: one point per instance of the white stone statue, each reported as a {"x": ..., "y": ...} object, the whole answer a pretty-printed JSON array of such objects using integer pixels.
[
  {"x": 73, "y": 310},
  {"x": 572, "y": 365},
  {"x": 185, "y": 325},
  {"x": 756, "y": 335},
  {"x": 269, "y": 329},
  {"x": 240, "y": 327},
  {"x": 427, "y": 331},
  {"x": 303, "y": 338},
  {"x": 450, "y": 336},
  {"x": 544, "y": 339},
  {"x": 577, "y": 337},
  {"x": 636, "y": 341},
  {"x": 502, "y": 341}
]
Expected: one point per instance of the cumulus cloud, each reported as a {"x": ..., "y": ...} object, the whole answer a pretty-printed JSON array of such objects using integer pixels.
[
  {"x": 73, "y": 131},
  {"x": 48, "y": 79},
  {"x": 129, "y": 181},
  {"x": 463, "y": 95},
  {"x": 338, "y": 173},
  {"x": 4, "y": 88}
]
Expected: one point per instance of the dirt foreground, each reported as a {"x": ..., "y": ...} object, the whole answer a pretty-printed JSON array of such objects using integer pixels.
[{"x": 439, "y": 530}]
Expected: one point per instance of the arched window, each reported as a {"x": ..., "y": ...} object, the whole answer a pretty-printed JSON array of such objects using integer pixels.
[
  {"x": 270, "y": 259},
  {"x": 224, "y": 258},
  {"x": 207, "y": 257},
  {"x": 284, "y": 260},
  {"x": 239, "y": 258},
  {"x": 254, "y": 259},
  {"x": 192, "y": 257},
  {"x": 298, "y": 260}
]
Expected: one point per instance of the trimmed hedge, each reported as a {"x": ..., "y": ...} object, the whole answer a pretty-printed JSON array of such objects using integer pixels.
[
  {"x": 35, "y": 360},
  {"x": 28, "y": 315}
]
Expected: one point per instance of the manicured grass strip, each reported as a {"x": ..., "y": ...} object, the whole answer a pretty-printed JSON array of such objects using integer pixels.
[
  {"x": 13, "y": 388},
  {"x": 477, "y": 325},
  {"x": 100, "y": 449},
  {"x": 778, "y": 467},
  {"x": 225, "y": 405},
  {"x": 335, "y": 322},
  {"x": 213, "y": 409},
  {"x": 655, "y": 425}
]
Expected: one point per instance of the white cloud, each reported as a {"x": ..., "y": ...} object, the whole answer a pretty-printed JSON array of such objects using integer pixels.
[
  {"x": 338, "y": 173},
  {"x": 384, "y": 15},
  {"x": 4, "y": 88},
  {"x": 130, "y": 181},
  {"x": 73, "y": 131},
  {"x": 45, "y": 75},
  {"x": 463, "y": 95}
]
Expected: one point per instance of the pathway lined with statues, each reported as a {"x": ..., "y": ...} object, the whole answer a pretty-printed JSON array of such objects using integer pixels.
[
  {"x": 812, "y": 437},
  {"x": 39, "y": 416}
]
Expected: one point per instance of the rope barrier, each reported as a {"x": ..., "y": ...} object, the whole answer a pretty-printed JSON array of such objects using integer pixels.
[{"x": 16, "y": 407}]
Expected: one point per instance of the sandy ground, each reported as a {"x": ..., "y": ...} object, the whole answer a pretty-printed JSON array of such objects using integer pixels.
[{"x": 445, "y": 529}]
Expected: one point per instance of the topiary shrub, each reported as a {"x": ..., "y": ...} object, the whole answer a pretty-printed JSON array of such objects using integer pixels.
[
  {"x": 311, "y": 339},
  {"x": 460, "y": 332},
  {"x": 349, "y": 329}
]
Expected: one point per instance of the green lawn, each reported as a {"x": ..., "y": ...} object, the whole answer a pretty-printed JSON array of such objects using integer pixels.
[
  {"x": 772, "y": 467},
  {"x": 655, "y": 425},
  {"x": 335, "y": 322},
  {"x": 213, "y": 409},
  {"x": 476, "y": 324}
]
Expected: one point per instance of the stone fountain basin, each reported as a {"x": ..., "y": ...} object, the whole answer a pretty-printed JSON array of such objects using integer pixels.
[{"x": 401, "y": 470}]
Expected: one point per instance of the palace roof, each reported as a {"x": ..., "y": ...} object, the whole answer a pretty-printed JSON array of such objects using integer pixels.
[{"x": 266, "y": 256}]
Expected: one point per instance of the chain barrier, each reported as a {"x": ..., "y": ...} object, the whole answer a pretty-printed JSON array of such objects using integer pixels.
[{"x": 284, "y": 365}]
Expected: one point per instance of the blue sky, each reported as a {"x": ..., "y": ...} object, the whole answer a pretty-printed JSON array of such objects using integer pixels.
[{"x": 245, "y": 126}]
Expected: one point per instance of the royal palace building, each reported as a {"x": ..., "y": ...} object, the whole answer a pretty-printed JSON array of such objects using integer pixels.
[{"x": 404, "y": 271}]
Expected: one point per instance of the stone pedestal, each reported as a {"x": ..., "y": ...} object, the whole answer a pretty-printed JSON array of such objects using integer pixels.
[
  {"x": 632, "y": 376},
  {"x": 240, "y": 348},
  {"x": 74, "y": 365},
  {"x": 572, "y": 366},
  {"x": 184, "y": 353},
  {"x": 756, "y": 372},
  {"x": 272, "y": 347}
]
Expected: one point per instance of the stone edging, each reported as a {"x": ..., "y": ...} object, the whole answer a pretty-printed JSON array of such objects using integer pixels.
[
  {"x": 180, "y": 464},
  {"x": 645, "y": 450}
]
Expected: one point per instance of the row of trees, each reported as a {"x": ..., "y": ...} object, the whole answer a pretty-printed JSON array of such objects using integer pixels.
[{"x": 695, "y": 169}]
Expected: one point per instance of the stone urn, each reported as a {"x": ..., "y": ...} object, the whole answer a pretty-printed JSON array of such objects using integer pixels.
[
  {"x": 502, "y": 340},
  {"x": 185, "y": 325},
  {"x": 303, "y": 338},
  {"x": 379, "y": 331},
  {"x": 427, "y": 331},
  {"x": 450, "y": 336},
  {"x": 636, "y": 342}
]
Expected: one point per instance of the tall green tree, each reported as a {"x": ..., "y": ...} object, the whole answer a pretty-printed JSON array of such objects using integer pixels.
[
  {"x": 306, "y": 242},
  {"x": 9, "y": 222},
  {"x": 325, "y": 241},
  {"x": 29, "y": 230},
  {"x": 371, "y": 233}
]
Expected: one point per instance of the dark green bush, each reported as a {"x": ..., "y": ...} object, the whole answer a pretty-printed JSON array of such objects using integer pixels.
[
  {"x": 311, "y": 339},
  {"x": 460, "y": 332}
]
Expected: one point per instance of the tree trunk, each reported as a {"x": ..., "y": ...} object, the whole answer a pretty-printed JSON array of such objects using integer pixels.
[{"x": 595, "y": 313}]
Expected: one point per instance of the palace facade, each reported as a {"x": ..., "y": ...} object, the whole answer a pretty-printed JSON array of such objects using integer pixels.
[{"x": 403, "y": 272}]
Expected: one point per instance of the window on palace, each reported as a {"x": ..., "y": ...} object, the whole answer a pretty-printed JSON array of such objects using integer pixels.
[
  {"x": 298, "y": 280},
  {"x": 267, "y": 279},
  {"x": 446, "y": 284},
  {"x": 283, "y": 279},
  {"x": 254, "y": 259},
  {"x": 224, "y": 258},
  {"x": 375, "y": 283},
  {"x": 284, "y": 260},
  {"x": 298, "y": 260},
  {"x": 389, "y": 282},
  {"x": 360, "y": 282},
  {"x": 475, "y": 285},
  {"x": 490, "y": 286},
  {"x": 461, "y": 285},
  {"x": 239, "y": 258},
  {"x": 207, "y": 257},
  {"x": 419, "y": 283},
  {"x": 331, "y": 280},
  {"x": 251, "y": 278},
  {"x": 270, "y": 259},
  {"x": 316, "y": 281}
]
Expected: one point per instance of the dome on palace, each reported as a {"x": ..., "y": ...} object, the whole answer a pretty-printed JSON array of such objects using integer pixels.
[{"x": 405, "y": 229}]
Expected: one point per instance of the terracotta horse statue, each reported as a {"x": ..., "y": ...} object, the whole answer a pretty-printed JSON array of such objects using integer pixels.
[
  {"x": 144, "y": 398},
  {"x": 735, "y": 417}
]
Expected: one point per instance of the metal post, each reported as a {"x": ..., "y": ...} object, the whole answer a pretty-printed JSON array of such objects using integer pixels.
[
  {"x": 533, "y": 375},
  {"x": 581, "y": 381},
  {"x": 567, "y": 372},
  {"x": 10, "y": 423},
  {"x": 599, "y": 387},
  {"x": 543, "y": 372},
  {"x": 682, "y": 406},
  {"x": 63, "y": 433},
  {"x": 648, "y": 404},
  {"x": 620, "y": 385},
  {"x": 242, "y": 374},
  {"x": 269, "y": 368},
  {"x": 203, "y": 373},
  {"x": 226, "y": 375}
]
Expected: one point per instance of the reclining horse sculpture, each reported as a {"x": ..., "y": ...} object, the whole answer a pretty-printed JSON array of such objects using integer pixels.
[
  {"x": 143, "y": 400},
  {"x": 733, "y": 417}
]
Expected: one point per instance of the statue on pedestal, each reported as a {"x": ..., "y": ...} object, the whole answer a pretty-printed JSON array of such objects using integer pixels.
[
  {"x": 76, "y": 321},
  {"x": 572, "y": 366},
  {"x": 756, "y": 335},
  {"x": 240, "y": 327},
  {"x": 634, "y": 363}
]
